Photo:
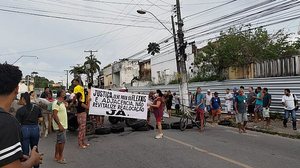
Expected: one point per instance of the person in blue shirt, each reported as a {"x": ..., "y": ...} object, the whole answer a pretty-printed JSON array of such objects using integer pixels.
[
  {"x": 199, "y": 103},
  {"x": 258, "y": 105},
  {"x": 216, "y": 106}
]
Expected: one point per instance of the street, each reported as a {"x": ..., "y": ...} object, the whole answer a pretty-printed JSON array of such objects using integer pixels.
[{"x": 216, "y": 147}]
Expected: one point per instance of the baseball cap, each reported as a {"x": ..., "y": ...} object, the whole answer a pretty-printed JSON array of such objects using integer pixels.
[{"x": 208, "y": 90}]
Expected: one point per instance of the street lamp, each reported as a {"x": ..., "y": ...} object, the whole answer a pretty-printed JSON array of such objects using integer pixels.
[
  {"x": 27, "y": 56},
  {"x": 142, "y": 12}
]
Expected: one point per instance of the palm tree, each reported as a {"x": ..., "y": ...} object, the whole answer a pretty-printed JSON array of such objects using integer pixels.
[
  {"x": 92, "y": 66},
  {"x": 77, "y": 71},
  {"x": 153, "y": 48}
]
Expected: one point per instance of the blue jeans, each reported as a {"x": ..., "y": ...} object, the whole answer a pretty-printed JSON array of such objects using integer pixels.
[
  {"x": 287, "y": 114},
  {"x": 30, "y": 137}
]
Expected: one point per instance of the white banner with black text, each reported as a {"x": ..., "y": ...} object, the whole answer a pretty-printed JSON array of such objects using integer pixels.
[{"x": 118, "y": 104}]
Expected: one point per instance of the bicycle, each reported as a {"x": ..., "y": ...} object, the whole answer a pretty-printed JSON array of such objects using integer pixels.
[{"x": 190, "y": 115}]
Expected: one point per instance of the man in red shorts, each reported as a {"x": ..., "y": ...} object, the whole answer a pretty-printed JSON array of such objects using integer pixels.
[{"x": 199, "y": 102}]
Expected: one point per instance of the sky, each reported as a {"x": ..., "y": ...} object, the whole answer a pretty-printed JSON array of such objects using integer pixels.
[{"x": 55, "y": 33}]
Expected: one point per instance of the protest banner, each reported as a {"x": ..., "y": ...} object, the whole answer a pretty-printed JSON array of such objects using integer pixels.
[{"x": 118, "y": 104}]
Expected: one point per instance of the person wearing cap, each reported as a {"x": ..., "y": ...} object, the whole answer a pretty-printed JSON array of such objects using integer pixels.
[
  {"x": 216, "y": 106},
  {"x": 208, "y": 97}
]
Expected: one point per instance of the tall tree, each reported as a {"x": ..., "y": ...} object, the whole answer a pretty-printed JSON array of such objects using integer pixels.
[
  {"x": 239, "y": 47},
  {"x": 92, "y": 66},
  {"x": 153, "y": 48},
  {"x": 77, "y": 71}
]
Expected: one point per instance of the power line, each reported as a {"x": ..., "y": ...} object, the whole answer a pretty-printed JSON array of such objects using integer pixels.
[
  {"x": 60, "y": 45},
  {"x": 74, "y": 19},
  {"x": 121, "y": 3},
  {"x": 209, "y": 9}
]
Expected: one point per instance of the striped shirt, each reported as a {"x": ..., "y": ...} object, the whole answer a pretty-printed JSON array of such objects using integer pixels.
[{"x": 10, "y": 134}]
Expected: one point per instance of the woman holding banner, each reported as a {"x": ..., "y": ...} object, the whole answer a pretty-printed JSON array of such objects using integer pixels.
[
  {"x": 158, "y": 109},
  {"x": 81, "y": 119}
]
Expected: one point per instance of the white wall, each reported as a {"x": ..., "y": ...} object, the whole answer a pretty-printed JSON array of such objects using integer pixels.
[
  {"x": 129, "y": 70},
  {"x": 166, "y": 65}
]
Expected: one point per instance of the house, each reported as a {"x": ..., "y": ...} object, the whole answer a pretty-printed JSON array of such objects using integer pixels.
[
  {"x": 107, "y": 76},
  {"x": 124, "y": 72},
  {"x": 144, "y": 77}
]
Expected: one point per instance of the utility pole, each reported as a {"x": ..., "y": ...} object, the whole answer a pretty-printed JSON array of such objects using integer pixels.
[
  {"x": 175, "y": 45},
  {"x": 91, "y": 56},
  {"x": 182, "y": 58},
  {"x": 67, "y": 85}
]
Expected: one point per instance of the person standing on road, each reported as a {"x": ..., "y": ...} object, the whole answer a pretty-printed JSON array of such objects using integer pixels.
[
  {"x": 251, "y": 102},
  {"x": 10, "y": 141},
  {"x": 266, "y": 106},
  {"x": 199, "y": 103},
  {"x": 169, "y": 102},
  {"x": 240, "y": 111},
  {"x": 78, "y": 88},
  {"x": 258, "y": 105},
  {"x": 29, "y": 116},
  {"x": 177, "y": 103},
  {"x": 289, "y": 102},
  {"x": 60, "y": 125},
  {"x": 234, "y": 94},
  {"x": 208, "y": 97},
  {"x": 216, "y": 106},
  {"x": 81, "y": 119},
  {"x": 228, "y": 101},
  {"x": 158, "y": 109}
]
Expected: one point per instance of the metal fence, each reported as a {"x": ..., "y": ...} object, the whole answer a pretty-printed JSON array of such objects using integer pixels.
[{"x": 276, "y": 86}]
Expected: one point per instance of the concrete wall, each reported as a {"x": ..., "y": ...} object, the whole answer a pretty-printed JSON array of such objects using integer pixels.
[
  {"x": 107, "y": 74},
  {"x": 129, "y": 70},
  {"x": 164, "y": 67}
]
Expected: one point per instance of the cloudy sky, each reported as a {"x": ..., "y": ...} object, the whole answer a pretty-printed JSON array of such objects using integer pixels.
[{"x": 58, "y": 31}]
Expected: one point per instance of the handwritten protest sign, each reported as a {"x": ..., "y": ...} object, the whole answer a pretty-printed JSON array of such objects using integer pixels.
[{"x": 118, "y": 104}]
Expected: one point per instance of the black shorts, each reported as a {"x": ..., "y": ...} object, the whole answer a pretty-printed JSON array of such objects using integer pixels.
[
  {"x": 177, "y": 107},
  {"x": 169, "y": 105},
  {"x": 251, "y": 109}
]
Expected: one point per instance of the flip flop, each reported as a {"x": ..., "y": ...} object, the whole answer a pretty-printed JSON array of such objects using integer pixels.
[{"x": 62, "y": 161}]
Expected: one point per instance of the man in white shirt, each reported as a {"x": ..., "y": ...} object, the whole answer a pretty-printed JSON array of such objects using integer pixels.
[
  {"x": 289, "y": 102},
  {"x": 228, "y": 101},
  {"x": 208, "y": 97}
]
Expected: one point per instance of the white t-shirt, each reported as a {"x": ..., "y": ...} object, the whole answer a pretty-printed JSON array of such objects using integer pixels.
[
  {"x": 228, "y": 98},
  {"x": 289, "y": 102},
  {"x": 208, "y": 99}
]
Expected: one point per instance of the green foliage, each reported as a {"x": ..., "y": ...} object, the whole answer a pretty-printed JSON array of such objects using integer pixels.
[
  {"x": 238, "y": 47},
  {"x": 94, "y": 67},
  {"x": 78, "y": 70},
  {"x": 40, "y": 82},
  {"x": 153, "y": 48}
]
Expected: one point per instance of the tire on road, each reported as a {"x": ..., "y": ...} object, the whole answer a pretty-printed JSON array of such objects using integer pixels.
[
  {"x": 90, "y": 128},
  {"x": 175, "y": 125},
  {"x": 139, "y": 124},
  {"x": 130, "y": 122},
  {"x": 189, "y": 126},
  {"x": 144, "y": 128},
  {"x": 103, "y": 131},
  {"x": 113, "y": 120},
  {"x": 117, "y": 128}
]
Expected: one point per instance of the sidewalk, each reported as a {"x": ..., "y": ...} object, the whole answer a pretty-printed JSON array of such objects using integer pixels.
[{"x": 276, "y": 127}]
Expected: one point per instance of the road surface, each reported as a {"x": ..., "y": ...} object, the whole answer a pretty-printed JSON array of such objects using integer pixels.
[{"x": 217, "y": 147}]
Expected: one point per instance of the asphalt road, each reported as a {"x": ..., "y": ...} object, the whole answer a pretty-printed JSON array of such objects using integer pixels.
[{"x": 217, "y": 147}]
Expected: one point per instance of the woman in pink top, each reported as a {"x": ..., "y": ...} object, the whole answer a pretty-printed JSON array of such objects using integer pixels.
[{"x": 158, "y": 109}]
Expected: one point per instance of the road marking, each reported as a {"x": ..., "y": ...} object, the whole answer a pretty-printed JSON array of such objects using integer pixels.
[
  {"x": 235, "y": 132},
  {"x": 208, "y": 153}
]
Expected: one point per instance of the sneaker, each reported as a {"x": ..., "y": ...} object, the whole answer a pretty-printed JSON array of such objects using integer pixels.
[
  {"x": 294, "y": 128},
  {"x": 158, "y": 136}
]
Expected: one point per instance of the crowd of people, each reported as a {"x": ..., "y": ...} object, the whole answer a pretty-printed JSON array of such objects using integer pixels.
[{"x": 20, "y": 133}]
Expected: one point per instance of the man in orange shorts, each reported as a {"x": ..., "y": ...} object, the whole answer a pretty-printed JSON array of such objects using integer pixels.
[{"x": 216, "y": 106}]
